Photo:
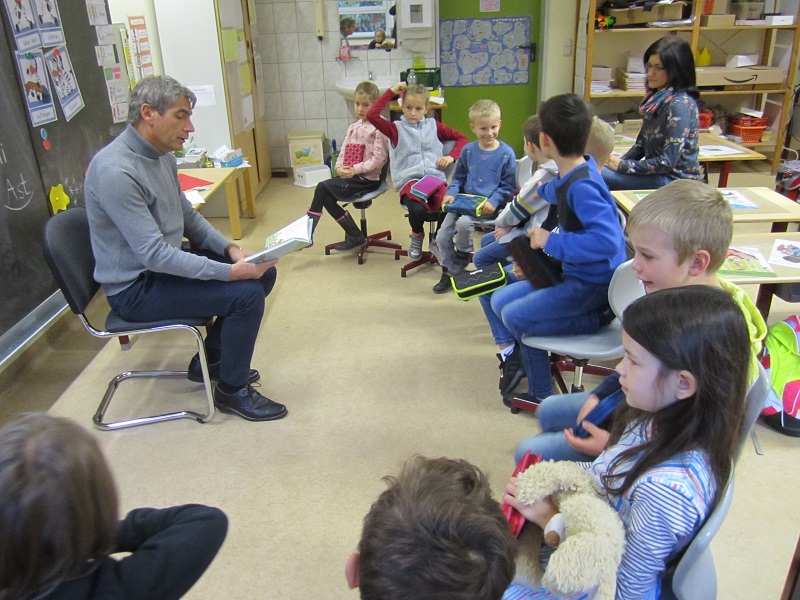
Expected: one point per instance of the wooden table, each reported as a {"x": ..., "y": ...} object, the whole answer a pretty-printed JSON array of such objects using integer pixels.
[
  {"x": 764, "y": 242},
  {"x": 229, "y": 177},
  {"x": 772, "y": 207},
  {"x": 738, "y": 153}
]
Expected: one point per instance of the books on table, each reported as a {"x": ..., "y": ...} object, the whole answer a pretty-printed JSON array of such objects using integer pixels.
[
  {"x": 748, "y": 262},
  {"x": 293, "y": 237}
]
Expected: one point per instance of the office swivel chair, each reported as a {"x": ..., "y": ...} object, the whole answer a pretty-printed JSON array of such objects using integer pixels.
[
  {"x": 433, "y": 219},
  {"x": 363, "y": 202},
  {"x": 68, "y": 252}
]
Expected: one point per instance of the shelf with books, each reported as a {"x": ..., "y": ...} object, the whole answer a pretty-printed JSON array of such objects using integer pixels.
[{"x": 775, "y": 45}]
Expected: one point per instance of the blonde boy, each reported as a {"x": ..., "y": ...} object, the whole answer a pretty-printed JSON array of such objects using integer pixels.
[
  {"x": 487, "y": 167},
  {"x": 680, "y": 234}
]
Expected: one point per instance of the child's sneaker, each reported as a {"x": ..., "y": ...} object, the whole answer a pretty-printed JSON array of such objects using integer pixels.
[
  {"x": 512, "y": 371},
  {"x": 444, "y": 285},
  {"x": 415, "y": 249},
  {"x": 522, "y": 401}
]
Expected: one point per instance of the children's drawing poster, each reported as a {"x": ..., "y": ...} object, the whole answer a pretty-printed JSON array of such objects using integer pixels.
[
  {"x": 36, "y": 87},
  {"x": 485, "y": 51},
  {"x": 49, "y": 22},
  {"x": 64, "y": 81},
  {"x": 23, "y": 23},
  {"x": 785, "y": 253}
]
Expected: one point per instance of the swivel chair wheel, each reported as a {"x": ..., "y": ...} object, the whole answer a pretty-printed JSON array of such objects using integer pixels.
[{"x": 514, "y": 410}]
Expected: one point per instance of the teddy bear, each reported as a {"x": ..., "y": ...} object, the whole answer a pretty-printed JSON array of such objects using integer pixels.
[{"x": 587, "y": 533}]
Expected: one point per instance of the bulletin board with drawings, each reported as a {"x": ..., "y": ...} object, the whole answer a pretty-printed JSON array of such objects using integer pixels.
[
  {"x": 39, "y": 154},
  {"x": 484, "y": 51}
]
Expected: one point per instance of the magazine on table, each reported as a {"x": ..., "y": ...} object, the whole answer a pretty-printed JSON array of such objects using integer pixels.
[{"x": 294, "y": 236}]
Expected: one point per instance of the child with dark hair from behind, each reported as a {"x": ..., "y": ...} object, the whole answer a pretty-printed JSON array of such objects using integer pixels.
[
  {"x": 358, "y": 169},
  {"x": 684, "y": 375},
  {"x": 486, "y": 167},
  {"x": 58, "y": 523},
  {"x": 416, "y": 150},
  {"x": 435, "y": 533}
]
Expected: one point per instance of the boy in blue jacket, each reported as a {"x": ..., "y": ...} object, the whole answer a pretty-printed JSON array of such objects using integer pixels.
[{"x": 588, "y": 242}]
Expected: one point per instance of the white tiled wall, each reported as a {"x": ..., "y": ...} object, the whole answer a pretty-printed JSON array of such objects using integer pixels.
[{"x": 300, "y": 71}]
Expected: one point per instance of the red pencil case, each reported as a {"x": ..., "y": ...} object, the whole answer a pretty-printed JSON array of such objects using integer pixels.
[{"x": 515, "y": 518}]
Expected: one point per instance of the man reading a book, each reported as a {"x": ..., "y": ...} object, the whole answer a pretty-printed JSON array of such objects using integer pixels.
[{"x": 138, "y": 217}]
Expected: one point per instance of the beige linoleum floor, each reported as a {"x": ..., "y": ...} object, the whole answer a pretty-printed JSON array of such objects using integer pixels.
[{"x": 373, "y": 368}]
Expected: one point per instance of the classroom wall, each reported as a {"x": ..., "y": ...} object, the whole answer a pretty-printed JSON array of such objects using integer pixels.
[
  {"x": 299, "y": 71},
  {"x": 122, "y": 9}
]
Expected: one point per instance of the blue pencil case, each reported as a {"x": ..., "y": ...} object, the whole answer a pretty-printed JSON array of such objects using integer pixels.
[{"x": 466, "y": 204}]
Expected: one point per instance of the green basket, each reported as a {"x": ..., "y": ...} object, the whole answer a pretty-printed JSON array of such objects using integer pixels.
[{"x": 430, "y": 78}]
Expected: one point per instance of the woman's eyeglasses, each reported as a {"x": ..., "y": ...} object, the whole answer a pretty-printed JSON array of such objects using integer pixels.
[{"x": 648, "y": 66}]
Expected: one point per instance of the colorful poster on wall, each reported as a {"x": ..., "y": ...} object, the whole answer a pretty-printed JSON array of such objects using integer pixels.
[
  {"x": 64, "y": 81},
  {"x": 23, "y": 23},
  {"x": 484, "y": 51},
  {"x": 36, "y": 87},
  {"x": 49, "y": 22}
]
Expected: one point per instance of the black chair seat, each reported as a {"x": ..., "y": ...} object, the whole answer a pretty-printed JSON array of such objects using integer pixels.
[{"x": 116, "y": 324}]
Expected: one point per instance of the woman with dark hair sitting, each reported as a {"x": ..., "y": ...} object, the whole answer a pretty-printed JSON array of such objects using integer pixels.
[{"x": 667, "y": 145}]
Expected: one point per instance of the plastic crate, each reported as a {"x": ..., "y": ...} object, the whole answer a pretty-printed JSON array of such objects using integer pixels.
[
  {"x": 748, "y": 134},
  {"x": 706, "y": 119},
  {"x": 747, "y": 121},
  {"x": 431, "y": 78}
]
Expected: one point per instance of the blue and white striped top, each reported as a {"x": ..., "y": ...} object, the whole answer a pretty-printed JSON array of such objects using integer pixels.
[{"x": 662, "y": 512}]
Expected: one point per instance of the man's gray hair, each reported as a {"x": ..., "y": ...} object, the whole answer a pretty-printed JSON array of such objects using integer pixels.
[{"x": 160, "y": 92}]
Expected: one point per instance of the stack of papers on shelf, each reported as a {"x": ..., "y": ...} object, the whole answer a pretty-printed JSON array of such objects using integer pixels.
[
  {"x": 633, "y": 82},
  {"x": 601, "y": 79}
]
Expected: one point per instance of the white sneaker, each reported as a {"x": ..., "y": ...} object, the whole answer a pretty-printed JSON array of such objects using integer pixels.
[{"x": 415, "y": 249}]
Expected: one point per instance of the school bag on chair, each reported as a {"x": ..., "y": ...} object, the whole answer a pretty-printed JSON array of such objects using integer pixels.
[{"x": 782, "y": 361}]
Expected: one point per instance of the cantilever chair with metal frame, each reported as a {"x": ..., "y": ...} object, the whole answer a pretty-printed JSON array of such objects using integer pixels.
[
  {"x": 68, "y": 252},
  {"x": 363, "y": 202}
]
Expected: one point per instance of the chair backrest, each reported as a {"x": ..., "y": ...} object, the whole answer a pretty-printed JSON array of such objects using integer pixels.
[
  {"x": 381, "y": 189},
  {"x": 68, "y": 253},
  {"x": 755, "y": 400},
  {"x": 524, "y": 170},
  {"x": 447, "y": 148},
  {"x": 694, "y": 577},
  {"x": 624, "y": 288}
]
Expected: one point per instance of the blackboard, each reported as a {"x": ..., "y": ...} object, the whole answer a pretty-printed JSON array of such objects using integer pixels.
[{"x": 28, "y": 170}]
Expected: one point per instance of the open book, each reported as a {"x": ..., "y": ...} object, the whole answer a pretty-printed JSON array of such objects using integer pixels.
[{"x": 293, "y": 237}]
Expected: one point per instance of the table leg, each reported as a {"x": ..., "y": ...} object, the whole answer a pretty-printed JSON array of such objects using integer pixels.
[
  {"x": 723, "y": 174},
  {"x": 764, "y": 298},
  {"x": 233, "y": 208},
  {"x": 249, "y": 201}
]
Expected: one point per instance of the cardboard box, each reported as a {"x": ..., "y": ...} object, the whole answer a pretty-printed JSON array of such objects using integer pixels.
[
  {"x": 716, "y": 7},
  {"x": 310, "y": 176},
  {"x": 640, "y": 16},
  {"x": 306, "y": 148},
  {"x": 600, "y": 72},
  {"x": 717, "y": 20},
  {"x": 741, "y": 60},
  {"x": 779, "y": 19},
  {"x": 727, "y": 76}
]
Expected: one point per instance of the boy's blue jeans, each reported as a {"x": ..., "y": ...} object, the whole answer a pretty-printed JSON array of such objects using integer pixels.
[
  {"x": 555, "y": 414},
  {"x": 460, "y": 227},
  {"x": 519, "y": 309},
  {"x": 490, "y": 253}
]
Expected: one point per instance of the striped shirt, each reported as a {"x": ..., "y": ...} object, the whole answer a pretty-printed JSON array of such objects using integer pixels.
[{"x": 662, "y": 512}]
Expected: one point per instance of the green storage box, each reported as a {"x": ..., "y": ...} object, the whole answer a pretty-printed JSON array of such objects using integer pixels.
[{"x": 431, "y": 78}]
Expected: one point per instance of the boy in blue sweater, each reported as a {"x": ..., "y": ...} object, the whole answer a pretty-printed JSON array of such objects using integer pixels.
[
  {"x": 486, "y": 167},
  {"x": 588, "y": 242}
]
